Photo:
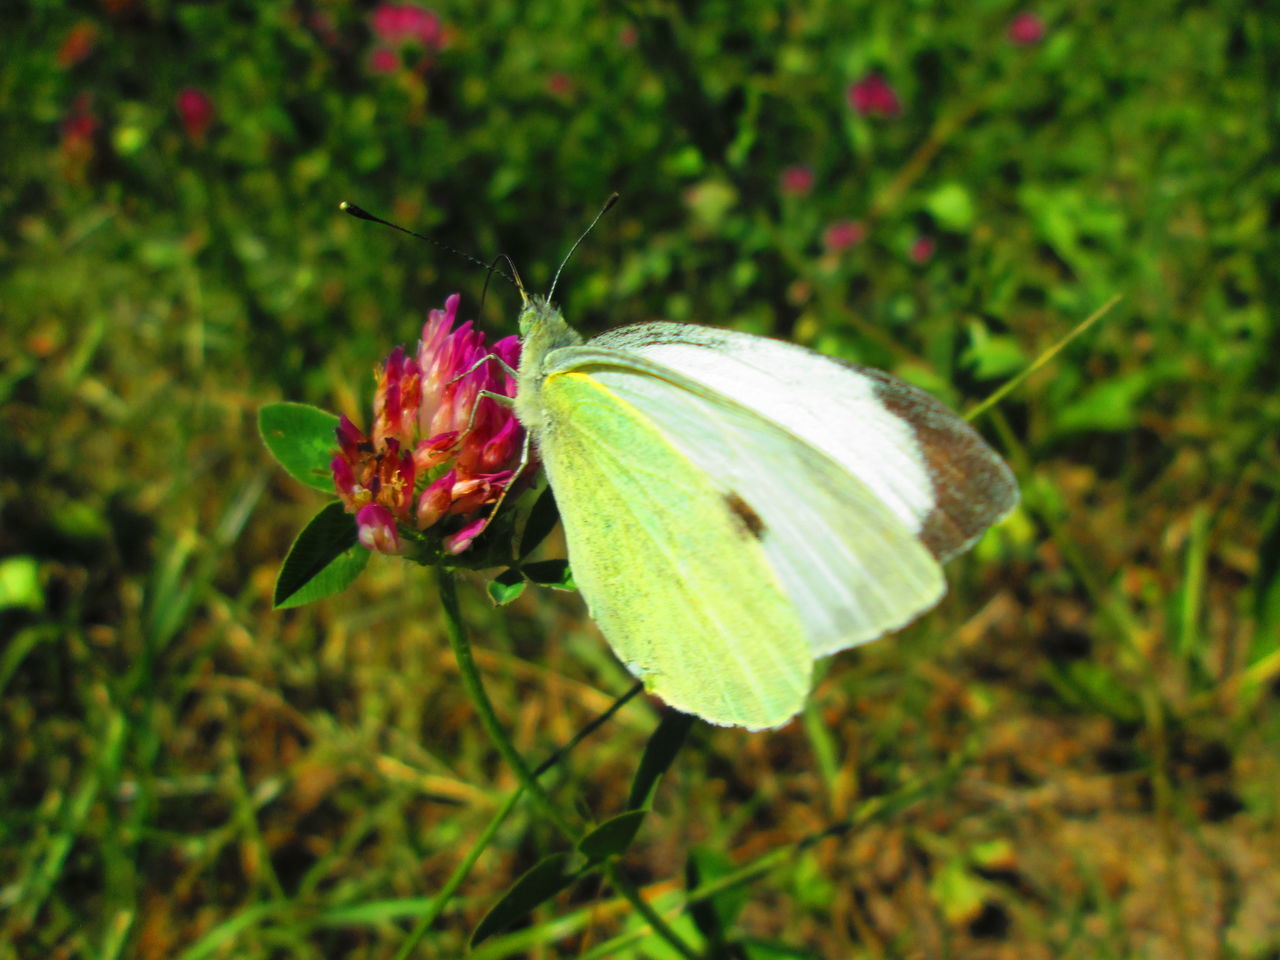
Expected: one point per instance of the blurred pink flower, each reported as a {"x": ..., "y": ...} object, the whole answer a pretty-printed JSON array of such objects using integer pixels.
[
  {"x": 1026, "y": 29},
  {"x": 78, "y": 44},
  {"x": 401, "y": 23},
  {"x": 796, "y": 180},
  {"x": 440, "y": 453},
  {"x": 384, "y": 60},
  {"x": 80, "y": 124},
  {"x": 628, "y": 36},
  {"x": 843, "y": 234},
  {"x": 76, "y": 148},
  {"x": 872, "y": 96},
  {"x": 923, "y": 249},
  {"x": 196, "y": 112},
  {"x": 560, "y": 84},
  {"x": 326, "y": 29}
]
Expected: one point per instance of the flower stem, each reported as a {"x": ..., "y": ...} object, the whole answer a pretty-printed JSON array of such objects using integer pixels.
[
  {"x": 442, "y": 898},
  {"x": 484, "y": 706},
  {"x": 646, "y": 910},
  {"x": 489, "y": 720}
]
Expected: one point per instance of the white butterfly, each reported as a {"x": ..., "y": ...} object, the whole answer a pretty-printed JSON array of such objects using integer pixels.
[{"x": 737, "y": 506}]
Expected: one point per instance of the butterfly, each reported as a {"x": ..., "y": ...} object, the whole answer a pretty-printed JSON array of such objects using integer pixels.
[{"x": 736, "y": 507}]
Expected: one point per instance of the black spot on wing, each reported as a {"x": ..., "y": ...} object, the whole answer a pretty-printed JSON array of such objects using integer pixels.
[{"x": 750, "y": 523}]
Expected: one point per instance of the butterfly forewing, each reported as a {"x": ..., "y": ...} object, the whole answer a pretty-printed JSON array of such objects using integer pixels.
[{"x": 922, "y": 461}]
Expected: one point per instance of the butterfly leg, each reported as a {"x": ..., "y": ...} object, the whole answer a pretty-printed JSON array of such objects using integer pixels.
[
  {"x": 500, "y": 398},
  {"x": 483, "y": 360},
  {"x": 525, "y": 449}
]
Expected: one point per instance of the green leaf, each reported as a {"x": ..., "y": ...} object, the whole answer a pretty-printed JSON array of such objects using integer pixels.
[
  {"x": 18, "y": 645},
  {"x": 20, "y": 583},
  {"x": 952, "y": 207},
  {"x": 324, "y": 559},
  {"x": 13, "y": 375},
  {"x": 1107, "y": 405},
  {"x": 612, "y": 837},
  {"x": 302, "y": 439},
  {"x": 543, "y": 881},
  {"x": 997, "y": 854},
  {"x": 543, "y": 517},
  {"x": 1266, "y": 588},
  {"x": 683, "y": 162},
  {"x": 992, "y": 356},
  {"x": 659, "y": 753},
  {"x": 710, "y": 202},
  {"x": 506, "y": 586},
  {"x": 550, "y": 573},
  {"x": 768, "y": 950},
  {"x": 1091, "y": 686},
  {"x": 714, "y": 915},
  {"x": 957, "y": 891}
]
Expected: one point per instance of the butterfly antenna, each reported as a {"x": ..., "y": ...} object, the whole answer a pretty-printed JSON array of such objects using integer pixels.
[
  {"x": 603, "y": 210},
  {"x": 362, "y": 214},
  {"x": 514, "y": 278}
]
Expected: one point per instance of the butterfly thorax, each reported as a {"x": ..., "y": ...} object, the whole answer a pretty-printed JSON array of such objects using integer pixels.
[{"x": 542, "y": 330}]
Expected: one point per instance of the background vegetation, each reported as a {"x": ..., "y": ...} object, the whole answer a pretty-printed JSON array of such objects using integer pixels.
[{"x": 1073, "y": 757}]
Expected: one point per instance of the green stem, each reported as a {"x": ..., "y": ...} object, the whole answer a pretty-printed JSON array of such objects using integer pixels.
[
  {"x": 1041, "y": 360},
  {"x": 460, "y": 872},
  {"x": 646, "y": 910},
  {"x": 869, "y": 812},
  {"x": 484, "y": 706},
  {"x": 489, "y": 720}
]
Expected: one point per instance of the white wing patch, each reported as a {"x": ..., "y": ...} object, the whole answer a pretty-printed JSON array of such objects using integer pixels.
[
  {"x": 923, "y": 462},
  {"x": 828, "y": 405},
  {"x": 853, "y": 569}
]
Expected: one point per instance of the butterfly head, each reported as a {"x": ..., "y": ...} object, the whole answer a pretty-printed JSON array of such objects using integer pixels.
[{"x": 543, "y": 327}]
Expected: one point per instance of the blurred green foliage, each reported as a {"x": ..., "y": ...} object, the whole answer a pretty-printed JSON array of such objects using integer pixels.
[{"x": 187, "y": 770}]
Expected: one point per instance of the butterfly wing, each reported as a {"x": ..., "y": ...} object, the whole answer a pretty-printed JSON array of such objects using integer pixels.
[
  {"x": 668, "y": 565},
  {"x": 851, "y": 568},
  {"x": 920, "y": 459}
]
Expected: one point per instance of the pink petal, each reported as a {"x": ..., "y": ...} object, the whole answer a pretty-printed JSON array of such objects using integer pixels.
[
  {"x": 504, "y": 446},
  {"x": 459, "y": 541},
  {"x": 351, "y": 439},
  {"x": 1026, "y": 29},
  {"x": 78, "y": 45},
  {"x": 923, "y": 249},
  {"x": 872, "y": 96},
  {"x": 435, "y": 500},
  {"x": 376, "y": 529},
  {"x": 196, "y": 112},
  {"x": 797, "y": 180},
  {"x": 384, "y": 60},
  {"x": 508, "y": 350},
  {"x": 344, "y": 479},
  {"x": 843, "y": 234}
]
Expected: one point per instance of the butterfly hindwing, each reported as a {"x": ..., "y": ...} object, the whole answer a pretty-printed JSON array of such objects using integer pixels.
[{"x": 668, "y": 564}]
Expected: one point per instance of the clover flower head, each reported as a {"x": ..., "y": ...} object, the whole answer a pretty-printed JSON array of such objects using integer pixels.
[
  {"x": 1026, "y": 29},
  {"x": 196, "y": 111},
  {"x": 872, "y": 96},
  {"x": 796, "y": 180},
  {"x": 442, "y": 451},
  {"x": 396, "y": 24}
]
